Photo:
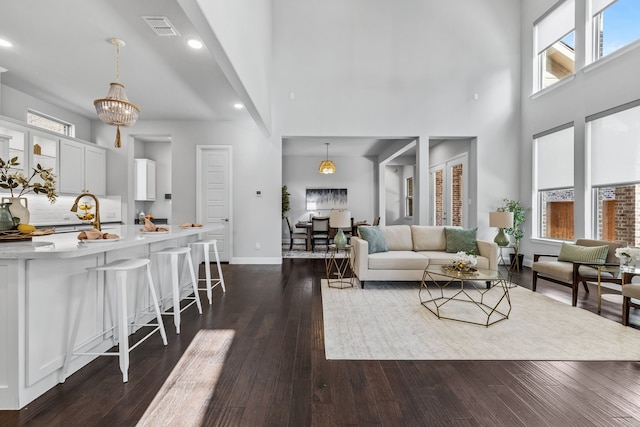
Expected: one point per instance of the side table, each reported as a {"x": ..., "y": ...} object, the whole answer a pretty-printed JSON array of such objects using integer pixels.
[
  {"x": 339, "y": 270},
  {"x": 624, "y": 274}
]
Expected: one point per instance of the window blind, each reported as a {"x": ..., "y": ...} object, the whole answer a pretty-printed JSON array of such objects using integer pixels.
[
  {"x": 598, "y": 6},
  {"x": 615, "y": 148},
  {"x": 555, "y": 160},
  {"x": 555, "y": 24}
]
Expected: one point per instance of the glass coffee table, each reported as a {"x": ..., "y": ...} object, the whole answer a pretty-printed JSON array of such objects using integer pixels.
[{"x": 480, "y": 297}]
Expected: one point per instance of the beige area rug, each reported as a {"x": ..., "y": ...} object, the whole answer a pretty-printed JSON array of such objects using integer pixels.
[
  {"x": 385, "y": 321},
  {"x": 191, "y": 383}
]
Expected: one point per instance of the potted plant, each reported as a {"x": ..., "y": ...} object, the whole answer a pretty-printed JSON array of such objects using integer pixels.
[
  {"x": 286, "y": 206},
  {"x": 517, "y": 231},
  {"x": 18, "y": 185}
]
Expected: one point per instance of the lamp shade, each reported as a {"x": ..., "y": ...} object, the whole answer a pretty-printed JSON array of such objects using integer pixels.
[
  {"x": 326, "y": 167},
  {"x": 340, "y": 219},
  {"x": 501, "y": 219}
]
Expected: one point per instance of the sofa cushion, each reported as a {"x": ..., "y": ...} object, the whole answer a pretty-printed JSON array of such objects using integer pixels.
[
  {"x": 398, "y": 237},
  {"x": 461, "y": 240},
  {"x": 593, "y": 254},
  {"x": 374, "y": 237},
  {"x": 398, "y": 260},
  {"x": 428, "y": 238},
  {"x": 613, "y": 245}
]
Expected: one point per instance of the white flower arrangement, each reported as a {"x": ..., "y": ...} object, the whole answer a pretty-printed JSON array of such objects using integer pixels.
[
  {"x": 628, "y": 252},
  {"x": 463, "y": 262}
]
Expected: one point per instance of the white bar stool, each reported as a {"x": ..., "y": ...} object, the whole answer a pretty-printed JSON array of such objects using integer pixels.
[
  {"x": 173, "y": 254},
  {"x": 120, "y": 269},
  {"x": 202, "y": 252}
]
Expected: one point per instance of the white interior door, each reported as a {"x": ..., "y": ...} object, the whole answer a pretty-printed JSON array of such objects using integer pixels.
[
  {"x": 214, "y": 194},
  {"x": 449, "y": 191}
]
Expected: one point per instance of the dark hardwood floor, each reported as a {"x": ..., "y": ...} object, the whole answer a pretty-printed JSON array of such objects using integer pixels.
[{"x": 275, "y": 373}]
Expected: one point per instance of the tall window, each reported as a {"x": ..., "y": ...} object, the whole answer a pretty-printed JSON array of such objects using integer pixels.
[
  {"x": 615, "y": 173},
  {"x": 408, "y": 191},
  {"x": 50, "y": 123},
  {"x": 554, "y": 183},
  {"x": 616, "y": 23},
  {"x": 555, "y": 44}
]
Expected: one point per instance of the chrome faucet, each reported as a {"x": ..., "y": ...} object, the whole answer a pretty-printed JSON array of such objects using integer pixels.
[{"x": 96, "y": 221}]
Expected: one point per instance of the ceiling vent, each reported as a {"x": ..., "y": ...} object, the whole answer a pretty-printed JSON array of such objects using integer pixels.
[{"x": 161, "y": 25}]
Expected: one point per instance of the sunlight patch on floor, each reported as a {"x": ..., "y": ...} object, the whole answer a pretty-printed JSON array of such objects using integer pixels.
[{"x": 184, "y": 396}]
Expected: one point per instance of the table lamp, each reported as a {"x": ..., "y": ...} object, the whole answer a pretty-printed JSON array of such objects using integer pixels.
[
  {"x": 340, "y": 220},
  {"x": 501, "y": 220}
]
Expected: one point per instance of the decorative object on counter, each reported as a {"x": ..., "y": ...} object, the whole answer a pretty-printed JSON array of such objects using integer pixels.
[
  {"x": 6, "y": 218},
  {"x": 12, "y": 180},
  {"x": 141, "y": 217},
  {"x": 95, "y": 234},
  {"x": 150, "y": 227},
  {"x": 327, "y": 166},
  {"x": 628, "y": 258},
  {"x": 94, "y": 218},
  {"x": 189, "y": 225},
  {"x": 463, "y": 263},
  {"x": 115, "y": 109}
]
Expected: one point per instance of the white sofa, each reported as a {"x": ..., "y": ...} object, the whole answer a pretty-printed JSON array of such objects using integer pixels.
[{"x": 411, "y": 248}]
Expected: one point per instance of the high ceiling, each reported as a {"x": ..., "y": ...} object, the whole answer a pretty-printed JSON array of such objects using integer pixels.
[{"x": 61, "y": 54}]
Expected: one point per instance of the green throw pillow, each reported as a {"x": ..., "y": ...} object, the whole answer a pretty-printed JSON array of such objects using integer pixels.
[
  {"x": 590, "y": 254},
  {"x": 460, "y": 239},
  {"x": 374, "y": 236}
]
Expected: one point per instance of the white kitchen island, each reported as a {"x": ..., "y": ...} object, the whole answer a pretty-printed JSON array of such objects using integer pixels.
[{"x": 40, "y": 284}]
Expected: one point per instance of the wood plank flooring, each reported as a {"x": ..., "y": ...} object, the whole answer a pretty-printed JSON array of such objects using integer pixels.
[{"x": 275, "y": 373}]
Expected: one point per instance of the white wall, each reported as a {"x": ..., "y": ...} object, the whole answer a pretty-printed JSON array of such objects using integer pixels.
[
  {"x": 613, "y": 83},
  {"x": 15, "y": 104},
  {"x": 393, "y": 68},
  {"x": 356, "y": 174}
]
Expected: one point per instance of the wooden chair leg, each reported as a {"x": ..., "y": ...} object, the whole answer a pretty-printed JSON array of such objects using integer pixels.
[
  {"x": 574, "y": 294},
  {"x": 534, "y": 282},
  {"x": 586, "y": 288},
  {"x": 625, "y": 310}
]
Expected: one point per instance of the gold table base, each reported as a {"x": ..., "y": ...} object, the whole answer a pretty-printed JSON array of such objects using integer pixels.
[
  {"x": 339, "y": 270},
  {"x": 448, "y": 289}
]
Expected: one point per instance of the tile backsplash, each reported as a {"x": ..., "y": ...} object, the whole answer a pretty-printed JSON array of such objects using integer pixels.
[{"x": 44, "y": 213}]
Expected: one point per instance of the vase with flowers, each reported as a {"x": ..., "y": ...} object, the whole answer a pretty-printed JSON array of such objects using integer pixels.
[
  {"x": 40, "y": 181},
  {"x": 628, "y": 258},
  {"x": 463, "y": 263}
]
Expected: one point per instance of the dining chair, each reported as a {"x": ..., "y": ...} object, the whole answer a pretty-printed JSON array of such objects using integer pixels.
[
  {"x": 319, "y": 231},
  {"x": 293, "y": 235}
]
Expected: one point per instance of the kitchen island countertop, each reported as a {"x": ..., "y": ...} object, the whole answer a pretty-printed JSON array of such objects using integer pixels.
[{"x": 67, "y": 245}]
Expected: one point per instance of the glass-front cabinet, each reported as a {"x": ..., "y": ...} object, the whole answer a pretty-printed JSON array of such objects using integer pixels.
[
  {"x": 43, "y": 150},
  {"x": 12, "y": 143}
]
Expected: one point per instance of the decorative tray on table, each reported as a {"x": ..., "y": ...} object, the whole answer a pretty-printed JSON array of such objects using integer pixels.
[{"x": 16, "y": 235}]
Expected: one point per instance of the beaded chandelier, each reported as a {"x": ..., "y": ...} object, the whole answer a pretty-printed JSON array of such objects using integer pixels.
[{"x": 115, "y": 109}]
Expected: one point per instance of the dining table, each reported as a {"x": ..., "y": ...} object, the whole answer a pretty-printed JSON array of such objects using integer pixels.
[{"x": 308, "y": 226}]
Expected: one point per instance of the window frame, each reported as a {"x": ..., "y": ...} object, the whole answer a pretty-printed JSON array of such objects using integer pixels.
[{"x": 69, "y": 128}]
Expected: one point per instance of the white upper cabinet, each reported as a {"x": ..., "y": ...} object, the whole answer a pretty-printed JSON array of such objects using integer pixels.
[
  {"x": 145, "y": 180},
  {"x": 82, "y": 168}
]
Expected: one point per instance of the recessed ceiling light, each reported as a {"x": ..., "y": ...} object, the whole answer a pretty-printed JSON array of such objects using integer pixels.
[
  {"x": 238, "y": 106},
  {"x": 194, "y": 44},
  {"x": 5, "y": 43}
]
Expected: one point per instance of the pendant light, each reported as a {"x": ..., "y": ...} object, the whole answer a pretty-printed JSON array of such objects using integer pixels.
[
  {"x": 327, "y": 166},
  {"x": 115, "y": 109}
]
